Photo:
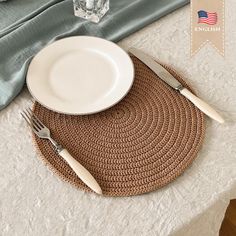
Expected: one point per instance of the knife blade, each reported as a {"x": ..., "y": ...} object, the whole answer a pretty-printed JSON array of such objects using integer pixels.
[{"x": 168, "y": 78}]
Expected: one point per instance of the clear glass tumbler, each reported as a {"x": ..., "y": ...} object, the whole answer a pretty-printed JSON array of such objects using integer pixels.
[{"x": 92, "y": 10}]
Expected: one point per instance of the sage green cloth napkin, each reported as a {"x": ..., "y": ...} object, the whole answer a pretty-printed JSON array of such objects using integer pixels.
[{"x": 26, "y": 26}]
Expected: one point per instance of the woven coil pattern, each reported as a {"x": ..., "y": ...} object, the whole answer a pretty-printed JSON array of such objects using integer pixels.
[{"x": 137, "y": 146}]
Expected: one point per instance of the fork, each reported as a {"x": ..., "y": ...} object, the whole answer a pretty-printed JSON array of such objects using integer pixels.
[{"x": 43, "y": 132}]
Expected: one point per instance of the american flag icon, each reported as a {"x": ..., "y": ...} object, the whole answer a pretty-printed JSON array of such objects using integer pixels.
[{"x": 207, "y": 17}]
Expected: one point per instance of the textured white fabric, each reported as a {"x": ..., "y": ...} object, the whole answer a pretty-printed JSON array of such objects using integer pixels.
[{"x": 33, "y": 201}]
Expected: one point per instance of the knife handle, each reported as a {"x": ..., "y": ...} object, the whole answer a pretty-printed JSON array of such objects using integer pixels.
[
  {"x": 81, "y": 172},
  {"x": 203, "y": 106}
]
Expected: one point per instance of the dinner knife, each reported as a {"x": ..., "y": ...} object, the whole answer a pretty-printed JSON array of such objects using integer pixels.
[{"x": 168, "y": 78}]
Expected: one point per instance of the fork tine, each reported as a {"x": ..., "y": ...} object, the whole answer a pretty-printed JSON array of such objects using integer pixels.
[
  {"x": 27, "y": 115},
  {"x": 32, "y": 123},
  {"x": 35, "y": 123},
  {"x": 40, "y": 123},
  {"x": 33, "y": 120},
  {"x": 36, "y": 126},
  {"x": 25, "y": 118}
]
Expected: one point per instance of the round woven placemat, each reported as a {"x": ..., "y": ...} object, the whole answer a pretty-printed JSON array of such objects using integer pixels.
[{"x": 139, "y": 145}]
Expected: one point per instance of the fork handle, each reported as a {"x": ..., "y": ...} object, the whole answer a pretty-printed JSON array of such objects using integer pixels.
[{"x": 81, "y": 172}]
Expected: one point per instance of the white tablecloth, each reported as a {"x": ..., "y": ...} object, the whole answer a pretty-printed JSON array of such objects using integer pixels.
[{"x": 33, "y": 201}]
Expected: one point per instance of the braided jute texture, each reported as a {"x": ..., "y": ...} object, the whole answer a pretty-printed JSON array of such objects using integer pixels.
[{"x": 137, "y": 146}]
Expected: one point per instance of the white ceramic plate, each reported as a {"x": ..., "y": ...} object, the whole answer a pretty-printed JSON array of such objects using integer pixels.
[{"x": 80, "y": 75}]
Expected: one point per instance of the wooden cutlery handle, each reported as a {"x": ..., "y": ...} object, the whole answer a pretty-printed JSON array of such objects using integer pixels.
[
  {"x": 82, "y": 173},
  {"x": 203, "y": 106}
]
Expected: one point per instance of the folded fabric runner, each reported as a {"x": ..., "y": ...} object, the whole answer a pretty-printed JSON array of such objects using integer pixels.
[{"x": 27, "y": 26}]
